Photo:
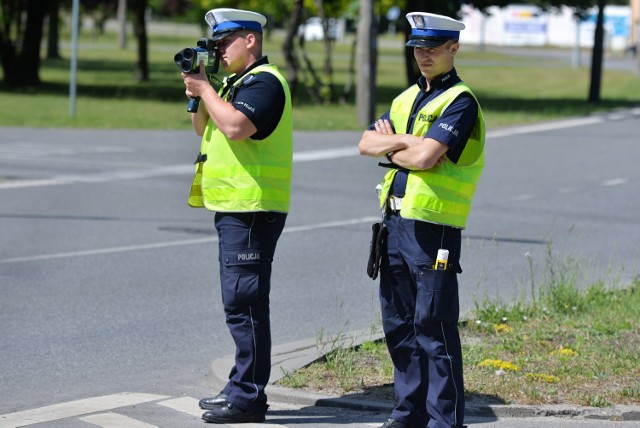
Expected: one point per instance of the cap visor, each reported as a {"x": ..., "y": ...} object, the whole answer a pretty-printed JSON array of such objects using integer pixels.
[
  {"x": 222, "y": 34},
  {"x": 425, "y": 43}
]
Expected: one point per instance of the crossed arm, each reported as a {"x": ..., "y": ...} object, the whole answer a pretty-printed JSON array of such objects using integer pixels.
[{"x": 406, "y": 150}]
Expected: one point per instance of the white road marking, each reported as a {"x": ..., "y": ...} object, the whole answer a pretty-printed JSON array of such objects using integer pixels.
[
  {"x": 98, "y": 251},
  {"x": 190, "y": 406},
  {"x": 260, "y": 425},
  {"x": 186, "y": 405},
  {"x": 297, "y": 157},
  {"x": 101, "y": 177},
  {"x": 330, "y": 224},
  {"x": 168, "y": 244},
  {"x": 75, "y": 408},
  {"x": 43, "y": 150},
  {"x": 161, "y": 171},
  {"x": 16, "y": 184},
  {"x": 615, "y": 182},
  {"x": 341, "y": 152},
  {"x": 115, "y": 420},
  {"x": 541, "y": 127},
  {"x": 616, "y": 116}
]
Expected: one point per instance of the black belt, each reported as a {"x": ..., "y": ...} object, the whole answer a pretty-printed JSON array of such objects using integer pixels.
[
  {"x": 201, "y": 158},
  {"x": 393, "y": 165}
]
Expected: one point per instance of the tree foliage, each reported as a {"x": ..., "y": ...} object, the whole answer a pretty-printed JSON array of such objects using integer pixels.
[{"x": 22, "y": 23}]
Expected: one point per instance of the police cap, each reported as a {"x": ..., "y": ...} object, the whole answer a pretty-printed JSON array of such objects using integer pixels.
[
  {"x": 224, "y": 21},
  {"x": 430, "y": 30}
]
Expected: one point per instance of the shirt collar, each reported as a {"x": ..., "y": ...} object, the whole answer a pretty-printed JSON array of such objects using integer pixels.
[
  {"x": 234, "y": 77},
  {"x": 443, "y": 81}
]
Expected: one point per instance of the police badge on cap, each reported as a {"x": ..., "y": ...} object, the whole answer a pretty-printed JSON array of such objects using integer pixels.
[
  {"x": 224, "y": 21},
  {"x": 430, "y": 30}
]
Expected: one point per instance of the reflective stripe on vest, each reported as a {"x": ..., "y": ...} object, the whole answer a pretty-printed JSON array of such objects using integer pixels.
[
  {"x": 249, "y": 175},
  {"x": 443, "y": 193}
]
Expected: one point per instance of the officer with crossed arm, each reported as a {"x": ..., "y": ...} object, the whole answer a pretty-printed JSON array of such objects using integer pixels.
[{"x": 433, "y": 137}]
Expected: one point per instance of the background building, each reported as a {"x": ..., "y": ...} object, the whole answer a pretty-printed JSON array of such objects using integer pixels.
[{"x": 528, "y": 25}]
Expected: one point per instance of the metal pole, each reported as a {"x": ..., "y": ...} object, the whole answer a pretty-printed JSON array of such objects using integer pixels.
[
  {"x": 74, "y": 57},
  {"x": 122, "y": 24},
  {"x": 576, "y": 45}
]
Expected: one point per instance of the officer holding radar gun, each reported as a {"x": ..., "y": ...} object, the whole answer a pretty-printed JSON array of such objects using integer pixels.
[
  {"x": 243, "y": 174},
  {"x": 433, "y": 137}
]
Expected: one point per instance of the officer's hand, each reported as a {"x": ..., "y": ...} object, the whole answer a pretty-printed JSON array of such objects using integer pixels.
[
  {"x": 196, "y": 83},
  {"x": 442, "y": 160},
  {"x": 384, "y": 127}
]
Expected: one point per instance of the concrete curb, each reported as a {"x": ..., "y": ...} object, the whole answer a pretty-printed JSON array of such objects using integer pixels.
[{"x": 292, "y": 356}]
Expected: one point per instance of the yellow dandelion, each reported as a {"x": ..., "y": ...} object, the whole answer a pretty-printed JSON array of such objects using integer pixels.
[
  {"x": 541, "y": 377},
  {"x": 502, "y": 328},
  {"x": 565, "y": 352},
  {"x": 499, "y": 364}
]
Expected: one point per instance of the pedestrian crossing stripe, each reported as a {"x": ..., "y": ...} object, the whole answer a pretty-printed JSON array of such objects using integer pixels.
[
  {"x": 95, "y": 411},
  {"x": 183, "y": 404},
  {"x": 190, "y": 406},
  {"x": 115, "y": 420},
  {"x": 76, "y": 408}
]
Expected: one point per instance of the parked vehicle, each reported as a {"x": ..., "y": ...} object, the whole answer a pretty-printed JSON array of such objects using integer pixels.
[{"x": 312, "y": 29}]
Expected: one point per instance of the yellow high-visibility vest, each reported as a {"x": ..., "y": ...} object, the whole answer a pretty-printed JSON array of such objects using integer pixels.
[
  {"x": 441, "y": 194},
  {"x": 249, "y": 175}
]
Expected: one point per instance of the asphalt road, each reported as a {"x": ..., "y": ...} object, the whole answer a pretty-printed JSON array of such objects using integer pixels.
[{"x": 108, "y": 280}]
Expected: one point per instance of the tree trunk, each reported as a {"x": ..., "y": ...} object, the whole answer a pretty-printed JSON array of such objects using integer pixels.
[
  {"x": 366, "y": 53},
  {"x": 122, "y": 24},
  {"x": 8, "y": 56},
  {"x": 596, "y": 58},
  {"x": 351, "y": 76},
  {"x": 327, "y": 51},
  {"x": 7, "y": 46},
  {"x": 28, "y": 59},
  {"x": 140, "y": 30},
  {"x": 288, "y": 46},
  {"x": 53, "y": 48}
]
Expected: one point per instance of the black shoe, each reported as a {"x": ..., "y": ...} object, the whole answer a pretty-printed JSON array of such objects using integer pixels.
[
  {"x": 231, "y": 414},
  {"x": 212, "y": 403},
  {"x": 392, "y": 423}
]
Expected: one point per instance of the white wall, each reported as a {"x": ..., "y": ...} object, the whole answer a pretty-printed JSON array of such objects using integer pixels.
[{"x": 527, "y": 25}]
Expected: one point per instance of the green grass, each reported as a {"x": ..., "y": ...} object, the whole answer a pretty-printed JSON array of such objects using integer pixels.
[
  {"x": 567, "y": 342},
  {"x": 570, "y": 345},
  {"x": 512, "y": 90},
  {"x": 580, "y": 349},
  {"x": 347, "y": 370}
]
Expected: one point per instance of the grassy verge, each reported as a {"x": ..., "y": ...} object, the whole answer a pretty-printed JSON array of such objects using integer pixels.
[
  {"x": 512, "y": 90},
  {"x": 570, "y": 345}
]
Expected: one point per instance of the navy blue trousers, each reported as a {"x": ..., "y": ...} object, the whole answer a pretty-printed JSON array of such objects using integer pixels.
[
  {"x": 247, "y": 243},
  {"x": 420, "y": 309}
]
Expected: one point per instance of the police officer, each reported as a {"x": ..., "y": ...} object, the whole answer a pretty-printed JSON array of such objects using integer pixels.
[
  {"x": 433, "y": 136},
  {"x": 243, "y": 174}
]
